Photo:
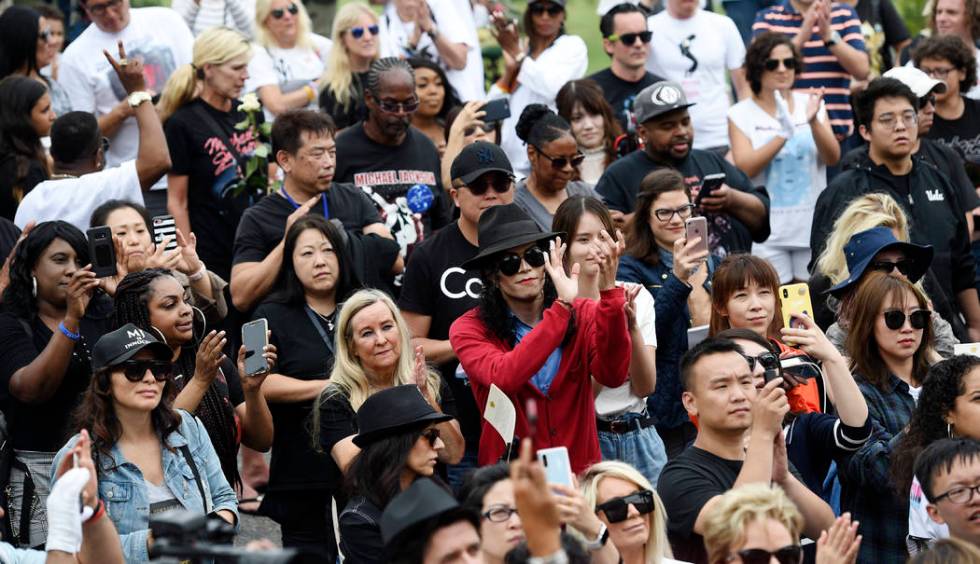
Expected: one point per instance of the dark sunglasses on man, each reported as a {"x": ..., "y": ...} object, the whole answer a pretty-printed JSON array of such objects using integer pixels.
[
  {"x": 498, "y": 182},
  {"x": 509, "y": 263},
  {"x": 618, "y": 508},
  {"x": 630, "y": 38},
  {"x": 278, "y": 13}
]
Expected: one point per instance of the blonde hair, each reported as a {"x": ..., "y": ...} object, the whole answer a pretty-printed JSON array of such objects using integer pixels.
[
  {"x": 263, "y": 8},
  {"x": 863, "y": 213},
  {"x": 338, "y": 77},
  {"x": 725, "y": 524},
  {"x": 215, "y": 46},
  {"x": 948, "y": 551},
  {"x": 657, "y": 547}
]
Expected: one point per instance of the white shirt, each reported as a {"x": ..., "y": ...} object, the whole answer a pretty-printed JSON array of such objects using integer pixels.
[
  {"x": 795, "y": 176},
  {"x": 204, "y": 14},
  {"x": 158, "y": 36},
  {"x": 468, "y": 81},
  {"x": 74, "y": 199},
  {"x": 921, "y": 526},
  {"x": 613, "y": 402},
  {"x": 289, "y": 69},
  {"x": 717, "y": 47},
  {"x": 394, "y": 34}
]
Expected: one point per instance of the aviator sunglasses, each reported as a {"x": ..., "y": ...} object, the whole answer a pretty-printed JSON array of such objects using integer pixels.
[{"x": 278, "y": 13}]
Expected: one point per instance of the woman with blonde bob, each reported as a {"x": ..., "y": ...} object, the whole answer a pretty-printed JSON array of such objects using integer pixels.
[
  {"x": 356, "y": 46},
  {"x": 200, "y": 109},
  {"x": 623, "y": 499}
]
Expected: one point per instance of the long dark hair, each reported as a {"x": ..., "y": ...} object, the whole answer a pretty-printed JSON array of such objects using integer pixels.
[
  {"x": 101, "y": 214},
  {"x": 18, "y": 297},
  {"x": 19, "y": 30},
  {"x": 451, "y": 99},
  {"x": 291, "y": 290},
  {"x": 18, "y": 139},
  {"x": 376, "y": 471},
  {"x": 527, "y": 22},
  {"x": 494, "y": 311},
  {"x": 588, "y": 93},
  {"x": 569, "y": 215},
  {"x": 218, "y": 415},
  {"x": 640, "y": 242},
  {"x": 942, "y": 386}
]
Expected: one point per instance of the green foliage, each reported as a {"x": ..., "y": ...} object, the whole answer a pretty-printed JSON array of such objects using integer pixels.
[{"x": 911, "y": 12}]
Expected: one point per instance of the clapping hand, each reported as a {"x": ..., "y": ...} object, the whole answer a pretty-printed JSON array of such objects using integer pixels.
[
  {"x": 840, "y": 543},
  {"x": 632, "y": 292},
  {"x": 566, "y": 285},
  {"x": 606, "y": 253},
  {"x": 813, "y": 103},
  {"x": 210, "y": 355},
  {"x": 421, "y": 374},
  {"x": 189, "y": 262}
]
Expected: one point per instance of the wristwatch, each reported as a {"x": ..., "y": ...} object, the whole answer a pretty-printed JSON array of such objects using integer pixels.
[
  {"x": 556, "y": 558},
  {"x": 600, "y": 539},
  {"x": 834, "y": 39},
  {"x": 137, "y": 98}
]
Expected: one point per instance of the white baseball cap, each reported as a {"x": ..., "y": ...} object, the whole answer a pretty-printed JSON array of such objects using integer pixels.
[{"x": 921, "y": 83}]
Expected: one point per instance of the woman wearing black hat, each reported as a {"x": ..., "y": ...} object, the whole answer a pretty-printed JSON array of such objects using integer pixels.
[{"x": 399, "y": 441}]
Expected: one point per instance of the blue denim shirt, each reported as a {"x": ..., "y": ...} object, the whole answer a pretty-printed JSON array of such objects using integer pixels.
[{"x": 123, "y": 489}]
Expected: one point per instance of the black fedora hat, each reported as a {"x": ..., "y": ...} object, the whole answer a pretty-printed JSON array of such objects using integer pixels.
[
  {"x": 421, "y": 501},
  {"x": 394, "y": 410},
  {"x": 505, "y": 227}
]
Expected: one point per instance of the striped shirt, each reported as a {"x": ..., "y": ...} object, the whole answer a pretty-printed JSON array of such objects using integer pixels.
[{"x": 821, "y": 67}]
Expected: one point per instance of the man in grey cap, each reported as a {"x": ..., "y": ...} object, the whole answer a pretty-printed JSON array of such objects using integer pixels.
[{"x": 737, "y": 211}]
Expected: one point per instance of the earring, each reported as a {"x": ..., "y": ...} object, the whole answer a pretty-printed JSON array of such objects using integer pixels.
[
  {"x": 949, "y": 430},
  {"x": 34, "y": 286},
  {"x": 158, "y": 334},
  {"x": 200, "y": 325}
]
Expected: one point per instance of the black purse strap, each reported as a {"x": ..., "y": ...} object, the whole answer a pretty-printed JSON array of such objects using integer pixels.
[{"x": 186, "y": 451}]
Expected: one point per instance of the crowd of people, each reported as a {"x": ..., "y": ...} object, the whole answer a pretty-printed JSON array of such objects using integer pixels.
[{"x": 714, "y": 303}]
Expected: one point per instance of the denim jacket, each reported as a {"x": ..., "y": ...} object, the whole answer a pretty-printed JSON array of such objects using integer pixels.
[{"x": 123, "y": 489}]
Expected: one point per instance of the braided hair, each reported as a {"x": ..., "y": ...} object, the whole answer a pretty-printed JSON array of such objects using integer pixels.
[
  {"x": 383, "y": 66},
  {"x": 215, "y": 411}
]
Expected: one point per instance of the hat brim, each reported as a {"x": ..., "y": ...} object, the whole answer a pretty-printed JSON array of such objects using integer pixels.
[
  {"x": 468, "y": 178},
  {"x": 921, "y": 255},
  {"x": 488, "y": 253},
  {"x": 363, "y": 439},
  {"x": 160, "y": 352},
  {"x": 660, "y": 113}
]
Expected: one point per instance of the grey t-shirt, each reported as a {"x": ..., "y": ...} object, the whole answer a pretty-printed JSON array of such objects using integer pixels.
[{"x": 538, "y": 213}]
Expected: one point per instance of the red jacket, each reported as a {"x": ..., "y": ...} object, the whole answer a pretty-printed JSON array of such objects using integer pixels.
[{"x": 566, "y": 417}]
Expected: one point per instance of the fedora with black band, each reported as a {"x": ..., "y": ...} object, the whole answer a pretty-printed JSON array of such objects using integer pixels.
[
  {"x": 502, "y": 228},
  {"x": 392, "y": 411},
  {"x": 864, "y": 246},
  {"x": 421, "y": 501}
]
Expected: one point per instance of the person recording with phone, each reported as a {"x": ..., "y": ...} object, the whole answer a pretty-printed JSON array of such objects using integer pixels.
[
  {"x": 52, "y": 314},
  {"x": 467, "y": 124}
]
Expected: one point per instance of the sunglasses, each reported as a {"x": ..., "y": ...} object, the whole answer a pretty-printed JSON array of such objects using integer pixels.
[
  {"x": 431, "y": 435},
  {"x": 558, "y": 163},
  {"x": 390, "y": 107},
  {"x": 791, "y": 554},
  {"x": 358, "y": 32},
  {"x": 510, "y": 263},
  {"x": 552, "y": 9},
  {"x": 926, "y": 100},
  {"x": 45, "y": 36},
  {"x": 134, "y": 370},
  {"x": 772, "y": 64},
  {"x": 293, "y": 9},
  {"x": 617, "y": 508},
  {"x": 918, "y": 319},
  {"x": 498, "y": 182},
  {"x": 768, "y": 361},
  {"x": 904, "y": 266},
  {"x": 630, "y": 38}
]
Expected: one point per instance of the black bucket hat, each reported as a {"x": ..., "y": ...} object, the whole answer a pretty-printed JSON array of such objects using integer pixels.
[
  {"x": 392, "y": 411},
  {"x": 505, "y": 227}
]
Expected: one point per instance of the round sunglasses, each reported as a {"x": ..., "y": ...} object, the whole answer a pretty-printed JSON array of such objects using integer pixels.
[
  {"x": 510, "y": 263},
  {"x": 792, "y": 554},
  {"x": 278, "y": 13},
  {"x": 618, "y": 508},
  {"x": 134, "y": 370},
  {"x": 358, "y": 32},
  {"x": 895, "y": 319}
]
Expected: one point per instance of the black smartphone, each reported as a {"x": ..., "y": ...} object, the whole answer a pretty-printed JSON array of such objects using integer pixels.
[
  {"x": 708, "y": 184},
  {"x": 165, "y": 226},
  {"x": 497, "y": 110},
  {"x": 102, "y": 252},
  {"x": 255, "y": 336}
]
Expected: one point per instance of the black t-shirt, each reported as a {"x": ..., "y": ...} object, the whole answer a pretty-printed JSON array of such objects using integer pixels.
[
  {"x": 354, "y": 112},
  {"x": 620, "y": 93},
  {"x": 9, "y": 233},
  {"x": 390, "y": 175},
  {"x": 963, "y": 134},
  {"x": 201, "y": 153},
  {"x": 620, "y": 184},
  {"x": 887, "y": 21},
  {"x": 901, "y": 184},
  {"x": 44, "y": 427},
  {"x": 436, "y": 286},
  {"x": 11, "y": 192}
]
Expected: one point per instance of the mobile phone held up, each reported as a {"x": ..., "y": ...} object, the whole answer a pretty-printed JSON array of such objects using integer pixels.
[
  {"x": 102, "y": 251},
  {"x": 165, "y": 226},
  {"x": 794, "y": 299},
  {"x": 496, "y": 110},
  {"x": 697, "y": 228},
  {"x": 708, "y": 185},
  {"x": 255, "y": 336},
  {"x": 557, "y": 467}
]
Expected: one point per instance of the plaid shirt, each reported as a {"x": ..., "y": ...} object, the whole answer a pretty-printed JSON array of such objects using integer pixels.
[{"x": 866, "y": 489}]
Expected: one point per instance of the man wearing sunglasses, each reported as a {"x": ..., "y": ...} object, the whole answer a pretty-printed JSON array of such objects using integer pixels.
[
  {"x": 626, "y": 39},
  {"x": 949, "y": 473},
  {"x": 737, "y": 211}
]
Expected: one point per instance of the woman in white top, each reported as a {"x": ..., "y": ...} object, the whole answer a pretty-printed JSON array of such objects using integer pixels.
[
  {"x": 202, "y": 15},
  {"x": 782, "y": 139},
  {"x": 418, "y": 28},
  {"x": 355, "y": 33},
  {"x": 535, "y": 67},
  {"x": 289, "y": 57}
]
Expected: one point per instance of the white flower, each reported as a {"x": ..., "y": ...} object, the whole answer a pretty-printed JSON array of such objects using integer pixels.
[{"x": 250, "y": 103}]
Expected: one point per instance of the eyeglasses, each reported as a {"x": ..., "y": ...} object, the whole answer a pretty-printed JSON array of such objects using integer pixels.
[
  {"x": 789, "y": 63},
  {"x": 904, "y": 266},
  {"x": 293, "y": 9},
  {"x": 938, "y": 73},
  {"x": 618, "y": 508},
  {"x": 792, "y": 554},
  {"x": 768, "y": 361},
  {"x": 558, "y": 163},
  {"x": 666, "y": 214},
  {"x": 134, "y": 370},
  {"x": 498, "y": 513},
  {"x": 540, "y": 8},
  {"x": 358, "y": 32},
  {"x": 499, "y": 182},
  {"x": 431, "y": 435},
  {"x": 960, "y": 495},
  {"x": 630, "y": 38},
  {"x": 100, "y": 9},
  {"x": 895, "y": 319},
  {"x": 510, "y": 263},
  {"x": 926, "y": 100},
  {"x": 391, "y": 107},
  {"x": 890, "y": 121}
]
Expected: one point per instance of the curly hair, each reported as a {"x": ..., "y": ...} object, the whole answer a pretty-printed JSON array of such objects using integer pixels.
[
  {"x": 943, "y": 384},
  {"x": 950, "y": 48},
  {"x": 495, "y": 314},
  {"x": 758, "y": 52},
  {"x": 18, "y": 297}
]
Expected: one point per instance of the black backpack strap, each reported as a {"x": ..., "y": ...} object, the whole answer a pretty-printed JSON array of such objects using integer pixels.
[
  {"x": 186, "y": 451},
  {"x": 26, "y": 504}
]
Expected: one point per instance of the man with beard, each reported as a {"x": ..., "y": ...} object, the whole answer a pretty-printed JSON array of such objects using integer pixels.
[
  {"x": 396, "y": 165},
  {"x": 737, "y": 212}
]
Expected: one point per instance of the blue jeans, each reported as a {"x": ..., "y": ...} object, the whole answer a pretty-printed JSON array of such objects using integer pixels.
[{"x": 641, "y": 448}]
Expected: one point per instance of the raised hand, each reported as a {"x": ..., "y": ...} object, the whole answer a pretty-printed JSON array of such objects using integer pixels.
[
  {"x": 813, "y": 103},
  {"x": 810, "y": 338},
  {"x": 162, "y": 258},
  {"x": 79, "y": 293},
  {"x": 210, "y": 355},
  {"x": 687, "y": 259},
  {"x": 254, "y": 382},
  {"x": 469, "y": 116},
  {"x": 110, "y": 283},
  {"x": 299, "y": 212},
  {"x": 129, "y": 71},
  {"x": 780, "y": 460},
  {"x": 840, "y": 543},
  {"x": 421, "y": 374},
  {"x": 566, "y": 285},
  {"x": 769, "y": 408},
  {"x": 629, "y": 307},
  {"x": 608, "y": 252},
  {"x": 189, "y": 263},
  {"x": 535, "y": 503}
]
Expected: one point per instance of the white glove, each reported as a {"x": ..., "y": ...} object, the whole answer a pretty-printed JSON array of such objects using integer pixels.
[
  {"x": 785, "y": 119},
  {"x": 65, "y": 512}
]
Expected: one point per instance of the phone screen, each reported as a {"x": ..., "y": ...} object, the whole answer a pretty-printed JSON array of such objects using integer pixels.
[{"x": 255, "y": 338}]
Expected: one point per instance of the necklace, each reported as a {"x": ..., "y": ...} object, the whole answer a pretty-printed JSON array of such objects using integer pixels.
[
  {"x": 61, "y": 176},
  {"x": 328, "y": 319}
]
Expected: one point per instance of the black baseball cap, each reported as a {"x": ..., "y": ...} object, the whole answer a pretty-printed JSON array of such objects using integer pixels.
[
  {"x": 477, "y": 159},
  {"x": 658, "y": 99},
  {"x": 122, "y": 344}
]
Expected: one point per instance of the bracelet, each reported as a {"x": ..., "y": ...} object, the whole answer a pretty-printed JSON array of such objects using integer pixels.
[
  {"x": 67, "y": 332},
  {"x": 99, "y": 512},
  {"x": 199, "y": 274}
]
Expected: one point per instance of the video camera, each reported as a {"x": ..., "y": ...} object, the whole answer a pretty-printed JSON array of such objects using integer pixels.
[{"x": 185, "y": 536}]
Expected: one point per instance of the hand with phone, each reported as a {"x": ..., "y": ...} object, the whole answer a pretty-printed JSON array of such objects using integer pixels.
[
  {"x": 769, "y": 408},
  {"x": 807, "y": 336},
  {"x": 253, "y": 382},
  {"x": 536, "y": 505},
  {"x": 81, "y": 288},
  {"x": 719, "y": 200},
  {"x": 688, "y": 257}
]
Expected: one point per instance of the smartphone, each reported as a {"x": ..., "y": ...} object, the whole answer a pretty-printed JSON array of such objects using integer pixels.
[
  {"x": 795, "y": 301},
  {"x": 708, "y": 184},
  {"x": 255, "y": 336},
  {"x": 696, "y": 334},
  {"x": 102, "y": 251},
  {"x": 165, "y": 226},
  {"x": 697, "y": 227},
  {"x": 496, "y": 110},
  {"x": 557, "y": 468}
]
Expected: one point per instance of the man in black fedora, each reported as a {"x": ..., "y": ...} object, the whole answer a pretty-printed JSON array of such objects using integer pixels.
[
  {"x": 426, "y": 524},
  {"x": 532, "y": 338}
]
